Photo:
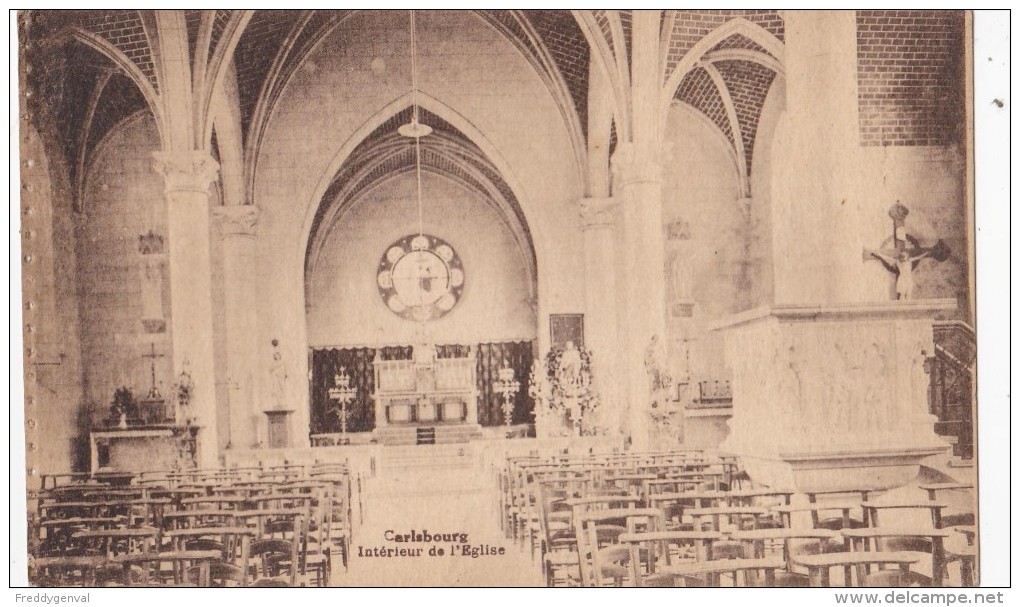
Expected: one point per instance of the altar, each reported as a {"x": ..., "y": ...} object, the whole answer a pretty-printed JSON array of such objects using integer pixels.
[
  {"x": 143, "y": 448},
  {"x": 426, "y": 399}
]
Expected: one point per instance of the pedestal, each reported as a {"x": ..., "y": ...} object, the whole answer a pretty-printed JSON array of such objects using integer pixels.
[
  {"x": 279, "y": 428},
  {"x": 829, "y": 398}
]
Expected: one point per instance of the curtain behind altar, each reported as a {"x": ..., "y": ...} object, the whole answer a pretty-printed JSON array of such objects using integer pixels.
[{"x": 489, "y": 357}]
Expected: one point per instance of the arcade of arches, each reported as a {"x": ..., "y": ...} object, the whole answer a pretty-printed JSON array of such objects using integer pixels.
[{"x": 224, "y": 196}]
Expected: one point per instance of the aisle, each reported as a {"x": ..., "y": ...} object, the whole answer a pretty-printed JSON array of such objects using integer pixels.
[{"x": 460, "y": 504}]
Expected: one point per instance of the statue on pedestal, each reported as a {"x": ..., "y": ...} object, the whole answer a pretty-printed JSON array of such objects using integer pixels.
[
  {"x": 278, "y": 378},
  {"x": 662, "y": 406}
]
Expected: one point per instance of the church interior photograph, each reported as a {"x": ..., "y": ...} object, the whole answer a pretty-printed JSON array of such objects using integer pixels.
[{"x": 498, "y": 298}]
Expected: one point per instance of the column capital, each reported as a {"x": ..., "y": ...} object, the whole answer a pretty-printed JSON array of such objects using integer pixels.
[
  {"x": 597, "y": 212},
  {"x": 186, "y": 171},
  {"x": 150, "y": 244},
  {"x": 634, "y": 164},
  {"x": 239, "y": 220}
]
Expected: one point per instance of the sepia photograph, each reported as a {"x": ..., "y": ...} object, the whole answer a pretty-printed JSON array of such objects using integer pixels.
[{"x": 497, "y": 298}]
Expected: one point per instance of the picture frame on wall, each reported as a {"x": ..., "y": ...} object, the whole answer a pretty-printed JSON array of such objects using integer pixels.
[{"x": 564, "y": 328}]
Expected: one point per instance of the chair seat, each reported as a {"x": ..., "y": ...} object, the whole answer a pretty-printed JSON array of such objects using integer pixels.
[
  {"x": 660, "y": 580},
  {"x": 612, "y": 570},
  {"x": 786, "y": 579},
  {"x": 269, "y": 582},
  {"x": 895, "y": 579},
  {"x": 561, "y": 558}
]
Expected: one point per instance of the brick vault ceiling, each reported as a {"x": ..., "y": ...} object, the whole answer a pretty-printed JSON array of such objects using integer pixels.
[{"x": 275, "y": 42}]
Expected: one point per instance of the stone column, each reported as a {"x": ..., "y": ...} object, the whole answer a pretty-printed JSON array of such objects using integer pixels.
[
  {"x": 817, "y": 169},
  {"x": 829, "y": 388},
  {"x": 238, "y": 226},
  {"x": 187, "y": 176},
  {"x": 598, "y": 222},
  {"x": 638, "y": 184}
]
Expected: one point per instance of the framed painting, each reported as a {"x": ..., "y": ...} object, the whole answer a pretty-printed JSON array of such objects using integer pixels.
[{"x": 564, "y": 328}]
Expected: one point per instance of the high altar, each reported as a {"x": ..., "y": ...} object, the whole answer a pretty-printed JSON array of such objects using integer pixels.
[{"x": 426, "y": 397}]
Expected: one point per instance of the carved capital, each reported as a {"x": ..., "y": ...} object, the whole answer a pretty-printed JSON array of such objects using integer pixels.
[
  {"x": 239, "y": 220},
  {"x": 188, "y": 171},
  {"x": 597, "y": 212},
  {"x": 633, "y": 164}
]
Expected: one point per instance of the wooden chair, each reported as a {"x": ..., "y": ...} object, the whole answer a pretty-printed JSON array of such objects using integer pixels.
[
  {"x": 960, "y": 549},
  {"x": 237, "y": 545},
  {"x": 146, "y": 569},
  {"x": 600, "y": 555},
  {"x": 860, "y": 562},
  {"x": 56, "y": 571},
  {"x": 274, "y": 560},
  {"x": 650, "y": 551}
]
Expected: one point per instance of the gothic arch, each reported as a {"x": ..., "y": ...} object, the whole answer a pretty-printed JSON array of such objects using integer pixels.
[{"x": 539, "y": 240}]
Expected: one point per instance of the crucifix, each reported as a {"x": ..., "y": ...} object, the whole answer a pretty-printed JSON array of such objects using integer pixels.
[
  {"x": 901, "y": 252},
  {"x": 152, "y": 356}
]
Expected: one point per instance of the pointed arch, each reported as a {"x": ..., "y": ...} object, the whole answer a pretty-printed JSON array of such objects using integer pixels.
[
  {"x": 735, "y": 127},
  {"x": 604, "y": 57},
  {"x": 119, "y": 59},
  {"x": 539, "y": 242},
  {"x": 216, "y": 67},
  {"x": 754, "y": 32}
]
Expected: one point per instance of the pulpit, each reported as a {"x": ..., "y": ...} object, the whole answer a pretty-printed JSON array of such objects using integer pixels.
[{"x": 424, "y": 391}]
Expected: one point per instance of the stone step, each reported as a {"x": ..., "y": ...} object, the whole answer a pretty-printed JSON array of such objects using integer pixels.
[{"x": 414, "y": 435}]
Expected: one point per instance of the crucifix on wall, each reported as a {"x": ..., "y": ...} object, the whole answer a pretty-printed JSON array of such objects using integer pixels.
[{"x": 901, "y": 252}]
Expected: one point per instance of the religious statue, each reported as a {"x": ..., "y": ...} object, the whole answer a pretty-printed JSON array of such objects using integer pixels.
[
  {"x": 151, "y": 248},
  {"x": 655, "y": 365},
  {"x": 569, "y": 371},
  {"x": 902, "y": 265},
  {"x": 565, "y": 392},
  {"x": 905, "y": 253},
  {"x": 278, "y": 376},
  {"x": 663, "y": 409},
  {"x": 184, "y": 387}
]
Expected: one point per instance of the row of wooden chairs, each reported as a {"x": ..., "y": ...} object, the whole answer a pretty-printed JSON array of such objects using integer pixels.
[
  {"x": 274, "y": 525},
  {"x": 666, "y": 519}
]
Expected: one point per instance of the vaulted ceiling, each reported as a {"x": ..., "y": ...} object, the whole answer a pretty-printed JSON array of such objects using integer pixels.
[
  {"x": 385, "y": 154},
  {"x": 86, "y": 93}
]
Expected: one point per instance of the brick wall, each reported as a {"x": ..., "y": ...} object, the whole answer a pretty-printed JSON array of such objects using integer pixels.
[
  {"x": 748, "y": 84},
  {"x": 698, "y": 91},
  {"x": 123, "y": 28},
  {"x": 691, "y": 26},
  {"x": 570, "y": 51},
  {"x": 910, "y": 77}
]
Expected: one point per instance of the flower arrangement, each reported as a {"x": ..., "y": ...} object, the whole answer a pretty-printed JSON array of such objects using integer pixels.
[
  {"x": 123, "y": 404},
  {"x": 565, "y": 386}
]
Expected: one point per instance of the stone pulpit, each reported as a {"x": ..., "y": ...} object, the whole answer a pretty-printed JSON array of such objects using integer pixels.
[{"x": 827, "y": 398}]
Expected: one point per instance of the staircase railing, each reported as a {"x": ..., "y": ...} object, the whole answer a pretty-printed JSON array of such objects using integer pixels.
[{"x": 951, "y": 384}]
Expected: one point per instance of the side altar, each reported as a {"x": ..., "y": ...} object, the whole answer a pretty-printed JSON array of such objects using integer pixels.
[
  {"x": 426, "y": 399},
  {"x": 144, "y": 448}
]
